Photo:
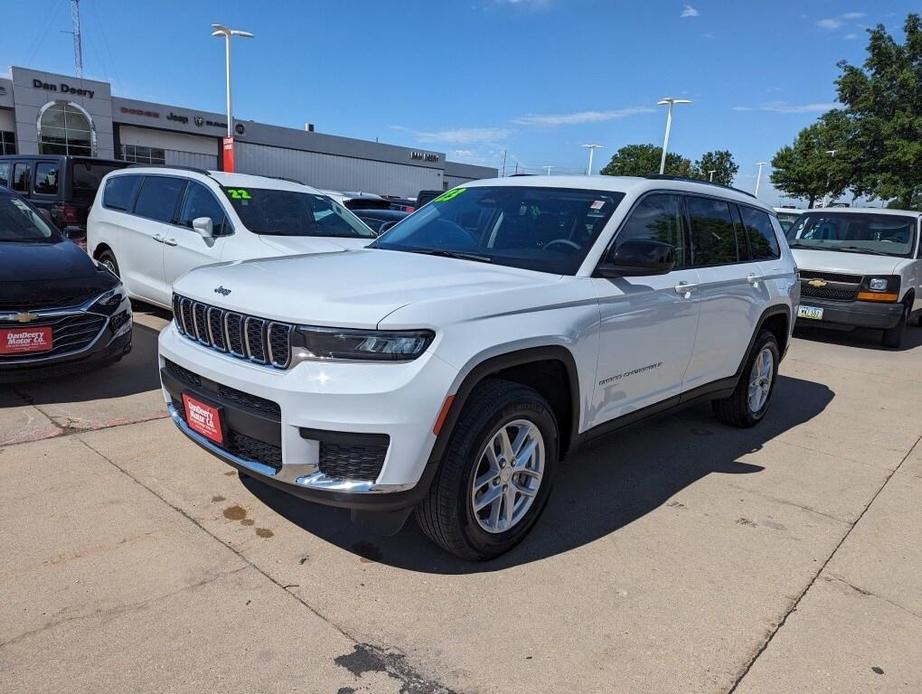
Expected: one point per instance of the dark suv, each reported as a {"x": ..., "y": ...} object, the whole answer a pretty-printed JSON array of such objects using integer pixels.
[{"x": 65, "y": 186}]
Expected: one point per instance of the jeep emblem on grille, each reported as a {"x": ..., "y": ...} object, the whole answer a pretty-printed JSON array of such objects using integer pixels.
[{"x": 222, "y": 291}]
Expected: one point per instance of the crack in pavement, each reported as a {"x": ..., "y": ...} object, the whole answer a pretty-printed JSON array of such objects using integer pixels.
[
  {"x": 120, "y": 609},
  {"x": 794, "y": 604},
  {"x": 365, "y": 657},
  {"x": 869, "y": 594}
]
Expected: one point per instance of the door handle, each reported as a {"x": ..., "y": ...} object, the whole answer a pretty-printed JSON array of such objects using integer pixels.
[
  {"x": 158, "y": 238},
  {"x": 170, "y": 242},
  {"x": 685, "y": 289}
]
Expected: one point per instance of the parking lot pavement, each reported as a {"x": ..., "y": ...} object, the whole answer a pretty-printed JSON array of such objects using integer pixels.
[{"x": 678, "y": 556}]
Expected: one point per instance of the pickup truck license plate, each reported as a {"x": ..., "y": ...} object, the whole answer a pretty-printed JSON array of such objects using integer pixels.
[{"x": 810, "y": 312}]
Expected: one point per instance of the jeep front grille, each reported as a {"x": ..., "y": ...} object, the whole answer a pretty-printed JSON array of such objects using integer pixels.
[{"x": 245, "y": 337}]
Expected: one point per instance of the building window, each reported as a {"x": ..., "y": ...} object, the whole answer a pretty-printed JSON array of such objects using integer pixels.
[
  {"x": 65, "y": 128},
  {"x": 143, "y": 155},
  {"x": 7, "y": 142}
]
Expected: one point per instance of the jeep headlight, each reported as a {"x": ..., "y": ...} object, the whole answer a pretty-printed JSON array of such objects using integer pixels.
[{"x": 362, "y": 345}]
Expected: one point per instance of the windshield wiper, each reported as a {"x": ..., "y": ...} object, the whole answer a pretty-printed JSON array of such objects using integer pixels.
[
  {"x": 458, "y": 255},
  {"x": 858, "y": 249}
]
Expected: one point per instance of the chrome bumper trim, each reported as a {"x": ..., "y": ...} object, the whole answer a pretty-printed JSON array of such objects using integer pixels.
[{"x": 290, "y": 474}]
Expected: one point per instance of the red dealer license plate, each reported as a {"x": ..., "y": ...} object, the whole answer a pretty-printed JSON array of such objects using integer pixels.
[
  {"x": 25, "y": 340},
  {"x": 203, "y": 419}
]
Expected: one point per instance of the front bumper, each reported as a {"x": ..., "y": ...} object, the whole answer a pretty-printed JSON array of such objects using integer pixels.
[
  {"x": 90, "y": 339},
  {"x": 296, "y": 411},
  {"x": 852, "y": 314}
]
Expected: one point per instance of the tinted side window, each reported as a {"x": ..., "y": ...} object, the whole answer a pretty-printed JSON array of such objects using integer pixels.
[
  {"x": 761, "y": 234},
  {"x": 119, "y": 192},
  {"x": 200, "y": 202},
  {"x": 713, "y": 232},
  {"x": 5, "y": 174},
  {"x": 158, "y": 197},
  {"x": 21, "y": 176},
  {"x": 658, "y": 217},
  {"x": 46, "y": 179}
]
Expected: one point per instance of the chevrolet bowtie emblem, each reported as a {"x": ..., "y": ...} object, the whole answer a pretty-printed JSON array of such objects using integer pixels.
[
  {"x": 24, "y": 317},
  {"x": 817, "y": 283}
]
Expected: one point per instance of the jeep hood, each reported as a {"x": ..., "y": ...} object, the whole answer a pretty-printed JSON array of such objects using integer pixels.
[
  {"x": 352, "y": 288},
  {"x": 846, "y": 263}
]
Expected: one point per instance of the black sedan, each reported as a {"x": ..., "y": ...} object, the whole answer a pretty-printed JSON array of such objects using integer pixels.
[
  {"x": 59, "y": 310},
  {"x": 377, "y": 219}
]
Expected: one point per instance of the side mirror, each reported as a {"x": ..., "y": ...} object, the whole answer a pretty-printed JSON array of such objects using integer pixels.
[
  {"x": 204, "y": 227},
  {"x": 638, "y": 258},
  {"x": 384, "y": 227},
  {"x": 74, "y": 233}
]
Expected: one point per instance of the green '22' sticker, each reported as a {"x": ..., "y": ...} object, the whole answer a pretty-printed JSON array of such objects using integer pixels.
[
  {"x": 239, "y": 193},
  {"x": 450, "y": 195}
]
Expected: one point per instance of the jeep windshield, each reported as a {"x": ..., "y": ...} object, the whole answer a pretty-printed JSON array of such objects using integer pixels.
[
  {"x": 21, "y": 223},
  {"x": 854, "y": 232},
  {"x": 290, "y": 213},
  {"x": 544, "y": 229}
]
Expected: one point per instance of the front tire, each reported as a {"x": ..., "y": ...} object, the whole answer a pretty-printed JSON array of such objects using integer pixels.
[
  {"x": 749, "y": 402},
  {"x": 107, "y": 258},
  {"x": 495, "y": 478}
]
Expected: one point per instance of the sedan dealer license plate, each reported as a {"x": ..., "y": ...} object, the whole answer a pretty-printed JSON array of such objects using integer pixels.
[
  {"x": 203, "y": 418},
  {"x": 25, "y": 340},
  {"x": 810, "y": 312}
]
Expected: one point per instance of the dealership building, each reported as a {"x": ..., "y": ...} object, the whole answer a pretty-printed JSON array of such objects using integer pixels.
[{"x": 46, "y": 113}]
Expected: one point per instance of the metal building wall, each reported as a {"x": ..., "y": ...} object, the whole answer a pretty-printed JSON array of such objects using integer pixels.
[
  {"x": 197, "y": 159},
  {"x": 333, "y": 172}
]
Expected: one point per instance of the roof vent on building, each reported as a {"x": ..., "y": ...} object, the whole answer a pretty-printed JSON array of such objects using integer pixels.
[{"x": 309, "y": 127}]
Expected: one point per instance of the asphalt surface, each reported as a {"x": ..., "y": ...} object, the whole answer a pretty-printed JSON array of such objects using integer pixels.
[{"x": 682, "y": 555}]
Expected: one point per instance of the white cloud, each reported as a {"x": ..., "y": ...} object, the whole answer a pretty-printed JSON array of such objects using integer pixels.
[
  {"x": 689, "y": 11},
  {"x": 850, "y": 36},
  {"x": 833, "y": 23},
  {"x": 462, "y": 136},
  {"x": 464, "y": 153},
  {"x": 579, "y": 117},
  {"x": 784, "y": 107}
]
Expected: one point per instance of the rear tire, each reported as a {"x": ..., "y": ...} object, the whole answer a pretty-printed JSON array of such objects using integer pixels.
[
  {"x": 475, "y": 472},
  {"x": 750, "y": 400},
  {"x": 893, "y": 337},
  {"x": 107, "y": 258}
]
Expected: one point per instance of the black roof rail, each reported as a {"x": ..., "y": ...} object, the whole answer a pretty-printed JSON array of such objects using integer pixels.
[
  {"x": 193, "y": 169},
  {"x": 686, "y": 179}
]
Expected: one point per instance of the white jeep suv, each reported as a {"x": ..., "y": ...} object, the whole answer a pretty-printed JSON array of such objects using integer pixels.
[
  {"x": 859, "y": 268},
  {"x": 150, "y": 225},
  {"x": 449, "y": 367}
]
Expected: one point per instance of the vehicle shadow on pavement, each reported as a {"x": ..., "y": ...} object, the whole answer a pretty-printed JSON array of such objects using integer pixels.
[
  {"x": 135, "y": 373},
  {"x": 864, "y": 338},
  {"x": 604, "y": 487}
]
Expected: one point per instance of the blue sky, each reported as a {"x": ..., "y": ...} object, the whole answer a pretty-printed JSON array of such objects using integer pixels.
[{"x": 536, "y": 78}]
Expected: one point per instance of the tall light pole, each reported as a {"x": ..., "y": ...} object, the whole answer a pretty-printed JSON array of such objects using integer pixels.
[
  {"x": 831, "y": 153},
  {"x": 670, "y": 102},
  {"x": 760, "y": 164},
  {"x": 221, "y": 30},
  {"x": 711, "y": 173},
  {"x": 592, "y": 148},
  {"x": 548, "y": 169}
]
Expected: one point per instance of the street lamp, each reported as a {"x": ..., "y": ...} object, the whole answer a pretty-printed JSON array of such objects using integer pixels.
[
  {"x": 831, "y": 153},
  {"x": 670, "y": 102},
  {"x": 221, "y": 30},
  {"x": 711, "y": 173},
  {"x": 592, "y": 148},
  {"x": 760, "y": 164}
]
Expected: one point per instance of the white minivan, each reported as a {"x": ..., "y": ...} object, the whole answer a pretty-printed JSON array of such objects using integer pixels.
[{"x": 151, "y": 225}]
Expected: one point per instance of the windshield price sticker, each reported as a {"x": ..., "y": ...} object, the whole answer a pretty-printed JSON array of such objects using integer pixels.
[
  {"x": 450, "y": 195},
  {"x": 239, "y": 193}
]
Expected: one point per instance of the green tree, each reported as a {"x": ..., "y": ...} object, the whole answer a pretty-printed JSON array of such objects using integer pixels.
[
  {"x": 721, "y": 163},
  {"x": 643, "y": 160},
  {"x": 820, "y": 161},
  {"x": 884, "y": 100}
]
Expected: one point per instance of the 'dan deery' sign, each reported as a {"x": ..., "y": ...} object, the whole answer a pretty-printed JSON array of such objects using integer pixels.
[{"x": 64, "y": 88}]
